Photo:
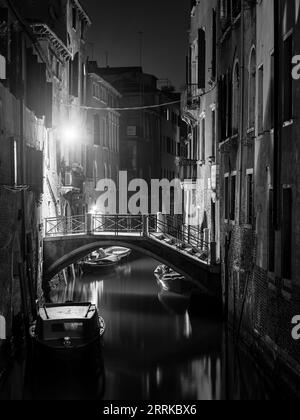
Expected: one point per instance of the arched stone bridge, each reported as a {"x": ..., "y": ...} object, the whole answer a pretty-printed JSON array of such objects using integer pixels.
[{"x": 181, "y": 248}]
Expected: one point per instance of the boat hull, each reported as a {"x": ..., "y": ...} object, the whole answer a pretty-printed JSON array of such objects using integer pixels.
[
  {"x": 121, "y": 253},
  {"x": 172, "y": 282},
  {"x": 93, "y": 268}
]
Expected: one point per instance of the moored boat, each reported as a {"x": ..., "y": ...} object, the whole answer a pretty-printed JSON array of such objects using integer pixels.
[
  {"x": 67, "y": 329},
  {"x": 96, "y": 265},
  {"x": 171, "y": 281},
  {"x": 118, "y": 251},
  {"x": 99, "y": 260}
]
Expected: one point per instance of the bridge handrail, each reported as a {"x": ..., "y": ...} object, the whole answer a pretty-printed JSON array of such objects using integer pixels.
[
  {"x": 116, "y": 223},
  {"x": 183, "y": 237},
  {"x": 65, "y": 225}
]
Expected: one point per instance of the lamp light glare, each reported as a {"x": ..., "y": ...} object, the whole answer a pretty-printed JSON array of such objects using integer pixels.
[{"x": 70, "y": 133}]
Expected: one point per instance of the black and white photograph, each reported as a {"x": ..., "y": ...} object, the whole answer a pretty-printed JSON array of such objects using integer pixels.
[{"x": 149, "y": 203}]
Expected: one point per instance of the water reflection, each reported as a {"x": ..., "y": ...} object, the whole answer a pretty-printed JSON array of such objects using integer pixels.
[
  {"x": 154, "y": 348},
  {"x": 151, "y": 349}
]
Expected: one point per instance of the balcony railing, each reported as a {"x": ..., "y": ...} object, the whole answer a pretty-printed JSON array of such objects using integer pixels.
[{"x": 190, "y": 100}]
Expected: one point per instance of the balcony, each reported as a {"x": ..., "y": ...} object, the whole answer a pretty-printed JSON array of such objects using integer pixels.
[
  {"x": 73, "y": 179},
  {"x": 190, "y": 101}
]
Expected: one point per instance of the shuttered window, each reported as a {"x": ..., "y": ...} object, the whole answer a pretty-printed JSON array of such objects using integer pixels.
[
  {"x": 271, "y": 233},
  {"x": 201, "y": 59},
  {"x": 286, "y": 252}
]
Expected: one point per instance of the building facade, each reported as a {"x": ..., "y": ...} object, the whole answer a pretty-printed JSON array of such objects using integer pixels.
[
  {"x": 241, "y": 163},
  {"x": 275, "y": 287},
  {"x": 236, "y": 140},
  {"x": 149, "y": 136},
  {"x": 201, "y": 166},
  {"x": 103, "y": 122},
  {"x": 43, "y": 146},
  {"x": 24, "y": 117}
]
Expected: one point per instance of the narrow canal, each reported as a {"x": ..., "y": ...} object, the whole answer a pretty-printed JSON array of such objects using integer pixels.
[{"x": 156, "y": 347}]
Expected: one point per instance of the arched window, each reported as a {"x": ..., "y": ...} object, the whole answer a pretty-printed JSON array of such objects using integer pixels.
[
  {"x": 252, "y": 89},
  {"x": 236, "y": 98}
]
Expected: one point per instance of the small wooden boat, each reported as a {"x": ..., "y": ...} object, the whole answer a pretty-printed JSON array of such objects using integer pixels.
[
  {"x": 91, "y": 266},
  {"x": 67, "y": 329},
  {"x": 119, "y": 252},
  {"x": 98, "y": 260},
  {"x": 171, "y": 281}
]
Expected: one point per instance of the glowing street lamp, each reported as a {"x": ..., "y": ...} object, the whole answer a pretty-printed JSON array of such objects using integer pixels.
[{"x": 70, "y": 133}]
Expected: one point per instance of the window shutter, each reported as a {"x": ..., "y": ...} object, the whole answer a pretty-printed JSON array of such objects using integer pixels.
[{"x": 201, "y": 59}]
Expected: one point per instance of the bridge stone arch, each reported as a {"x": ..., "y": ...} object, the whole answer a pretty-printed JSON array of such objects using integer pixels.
[{"x": 62, "y": 252}]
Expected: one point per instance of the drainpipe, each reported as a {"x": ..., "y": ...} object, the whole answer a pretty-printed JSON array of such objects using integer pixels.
[{"x": 242, "y": 74}]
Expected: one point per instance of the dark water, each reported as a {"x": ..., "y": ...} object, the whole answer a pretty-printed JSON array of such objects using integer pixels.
[{"x": 153, "y": 349}]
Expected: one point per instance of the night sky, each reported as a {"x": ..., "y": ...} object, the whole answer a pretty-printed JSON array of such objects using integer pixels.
[{"x": 164, "y": 23}]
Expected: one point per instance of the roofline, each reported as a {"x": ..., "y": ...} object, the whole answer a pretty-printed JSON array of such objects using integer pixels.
[
  {"x": 123, "y": 69},
  {"x": 106, "y": 83}
]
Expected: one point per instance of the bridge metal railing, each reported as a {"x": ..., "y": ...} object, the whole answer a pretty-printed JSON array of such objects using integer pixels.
[
  {"x": 184, "y": 237},
  {"x": 170, "y": 230},
  {"x": 61, "y": 226},
  {"x": 116, "y": 224}
]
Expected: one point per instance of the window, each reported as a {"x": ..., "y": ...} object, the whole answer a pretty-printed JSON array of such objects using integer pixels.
[
  {"x": 236, "y": 7},
  {"x": 2, "y": 328},
  {"x": 201, "y": 59},
  {"x": 272, "y": 92},
  {"x": 104, "y": 132},
  {"x": 260, "y": 108},
  {"x": 57, "y": 69},
  {"x": 226, "y": 199},
  {"x": 213, "y": 133},
  {"x": 250, "y": 196},
  {"x": 236, "y": 99},
  {"x": 203, "y": 141},
  {"x": 225, "y": 13},
  {"x": 169, "y": 145},
  {"x": 271, "y": 233},
  {"x": 74, "y": 18},
  {"x": 95, "y": 90},
  {"x": 74, "y": 76},
  {"x": 223, "y": 106},
  {"x": 287, "y": 79},
  {"x": 83, "y": 84},
  {"x": 82, "y": 29},
  {"x": 232, "y": 196},
  {"x": 252, "y": 90},
  {"x": 131, "y": 131},
  {"x": 96, "y": 175},
  {"x": 214, "y": 45},
  {"x": 97, "y": 141},
  {"x": 286, "y": 240}
]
